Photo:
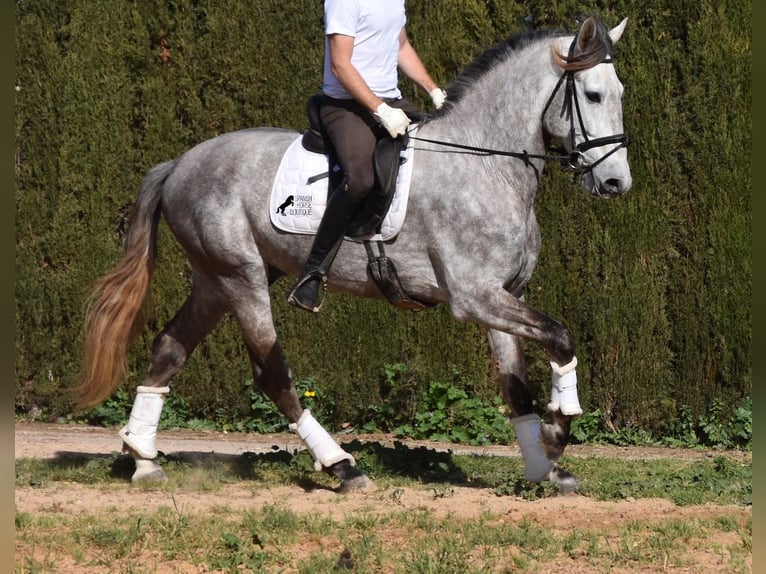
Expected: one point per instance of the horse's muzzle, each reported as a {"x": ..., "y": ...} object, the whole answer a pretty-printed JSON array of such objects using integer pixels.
[{"x": 611, "y": 187}]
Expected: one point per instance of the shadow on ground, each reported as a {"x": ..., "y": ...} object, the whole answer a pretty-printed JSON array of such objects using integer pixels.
[{"x": 422, "y": 464}]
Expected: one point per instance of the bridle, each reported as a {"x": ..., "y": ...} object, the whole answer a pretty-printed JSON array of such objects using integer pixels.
[
  {"x": 574, "y": 160},
  {"x": 576, "y": 156}
]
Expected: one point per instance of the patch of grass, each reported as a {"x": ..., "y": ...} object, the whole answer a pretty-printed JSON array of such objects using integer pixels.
[
  {"x": 669, "y": 544},
  {"x": 273, "y": 538},
  {"x": 718, "y": 480}
]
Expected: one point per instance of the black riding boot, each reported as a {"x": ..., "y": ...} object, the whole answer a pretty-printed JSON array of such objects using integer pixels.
[{"x": 340, "y": 210}]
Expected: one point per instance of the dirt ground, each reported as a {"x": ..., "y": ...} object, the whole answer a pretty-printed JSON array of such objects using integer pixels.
[
  {"x": 35, "y": 440},
  {"x": 559, "y": 513}
]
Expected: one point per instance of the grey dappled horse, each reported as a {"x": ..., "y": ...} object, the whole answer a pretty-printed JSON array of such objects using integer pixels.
[{"x": 470, "y": 241}]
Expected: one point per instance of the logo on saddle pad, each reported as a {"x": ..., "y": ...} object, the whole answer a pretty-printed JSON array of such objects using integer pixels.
[
  {"x": 288, "y": 202},
  {"x": 299, "y": 193}
]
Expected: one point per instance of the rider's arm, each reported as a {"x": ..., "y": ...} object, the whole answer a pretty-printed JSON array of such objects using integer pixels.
[
  {"x": 341, "y": 47},
  {"x": 411, "y": 64}
]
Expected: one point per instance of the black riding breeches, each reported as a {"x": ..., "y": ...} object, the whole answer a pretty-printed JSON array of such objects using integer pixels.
[{"x": 353, "y": 132}]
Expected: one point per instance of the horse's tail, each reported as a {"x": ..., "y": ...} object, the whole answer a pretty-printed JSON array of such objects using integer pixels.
[{"x": 113, "y": 318}]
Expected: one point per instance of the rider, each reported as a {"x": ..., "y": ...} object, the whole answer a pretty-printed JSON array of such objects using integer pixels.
[{"x": 365, "y": 43}]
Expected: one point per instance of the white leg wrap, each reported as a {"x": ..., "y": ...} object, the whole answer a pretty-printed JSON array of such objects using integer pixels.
[
  {"x": 141, "y": 431},
  {"x": 564, "y": 389},
  {"x": 537, "y": 467},
  {"x": 320, "y": 444}
]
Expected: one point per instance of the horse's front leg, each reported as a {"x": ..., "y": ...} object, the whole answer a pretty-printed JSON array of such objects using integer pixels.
[
  {"x": 562, "y": 408},
  {"x": 555, "y": 433},
  {"x": 538, "y": 454}
]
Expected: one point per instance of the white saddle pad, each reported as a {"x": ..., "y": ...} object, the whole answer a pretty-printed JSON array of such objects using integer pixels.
[{"x": 296, "y": 205}]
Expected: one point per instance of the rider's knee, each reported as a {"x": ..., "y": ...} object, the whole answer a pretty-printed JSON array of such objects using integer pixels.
[{"x": 360, "y": 184}]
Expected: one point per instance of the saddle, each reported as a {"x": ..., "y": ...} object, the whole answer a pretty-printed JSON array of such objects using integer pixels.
[{"x": 386, "y": 161}]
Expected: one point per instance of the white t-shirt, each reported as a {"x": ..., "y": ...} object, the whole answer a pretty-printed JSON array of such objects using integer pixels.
[{"x": 375, "y": 26}]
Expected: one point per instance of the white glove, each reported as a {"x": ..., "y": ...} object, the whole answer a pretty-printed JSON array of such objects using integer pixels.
[
  {"x": 393, "y": 119},
  {"x": 437, "y": 97}
]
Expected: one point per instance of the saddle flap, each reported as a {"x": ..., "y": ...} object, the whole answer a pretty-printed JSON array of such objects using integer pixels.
[
  {"x": 387, "y": 159},
  {"x": 312, "y": 136}
]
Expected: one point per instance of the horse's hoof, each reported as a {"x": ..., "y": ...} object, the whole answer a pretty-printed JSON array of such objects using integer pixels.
[
  {"x": 148, "y": 471},
  {"x": 153, "y": 476},
  {"x": 564, "y": 480},
  {"x": 360, "y": 484},
  {"x": 351, "y": 478}
]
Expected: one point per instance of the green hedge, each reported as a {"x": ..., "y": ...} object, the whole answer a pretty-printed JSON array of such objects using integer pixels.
[{"x": 655, "y": 286}]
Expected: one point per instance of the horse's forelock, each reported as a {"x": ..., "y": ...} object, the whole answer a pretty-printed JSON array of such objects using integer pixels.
[{"x": 593, "y": 45}]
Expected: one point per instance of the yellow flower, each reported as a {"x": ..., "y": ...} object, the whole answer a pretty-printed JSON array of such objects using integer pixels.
[{"x": 310, "y": 394}]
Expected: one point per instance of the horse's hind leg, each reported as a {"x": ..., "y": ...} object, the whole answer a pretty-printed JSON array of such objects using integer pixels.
[
  {"x": 250, "y": 303},
  {"x": 511, "y": 372},
  {"x": 197, "y": 317}
]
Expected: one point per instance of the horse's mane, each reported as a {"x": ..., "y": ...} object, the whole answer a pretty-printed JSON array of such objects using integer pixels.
[
  {"x": 490, "y": 58},
  {"x": 597, "y": 47}
]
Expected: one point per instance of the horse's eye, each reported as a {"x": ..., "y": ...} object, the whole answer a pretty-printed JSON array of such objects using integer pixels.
[{"x": 593, "y": 97}]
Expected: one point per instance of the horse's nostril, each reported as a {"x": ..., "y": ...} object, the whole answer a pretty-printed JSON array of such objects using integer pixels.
[{"x": 615, "y": 186}]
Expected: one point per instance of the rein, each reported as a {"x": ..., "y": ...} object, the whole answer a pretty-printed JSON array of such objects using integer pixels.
[
  {"x": 524, "y": 155},
  {"x": 575, "y": 159}
]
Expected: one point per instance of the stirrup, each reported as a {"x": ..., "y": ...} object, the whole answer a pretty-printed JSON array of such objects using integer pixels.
[{"x": 293, "y": 299}]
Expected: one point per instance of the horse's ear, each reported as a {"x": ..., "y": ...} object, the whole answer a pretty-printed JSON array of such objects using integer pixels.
[
  {"x": 616, "y": 32},
  {"x": 587, "y": 34}
]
